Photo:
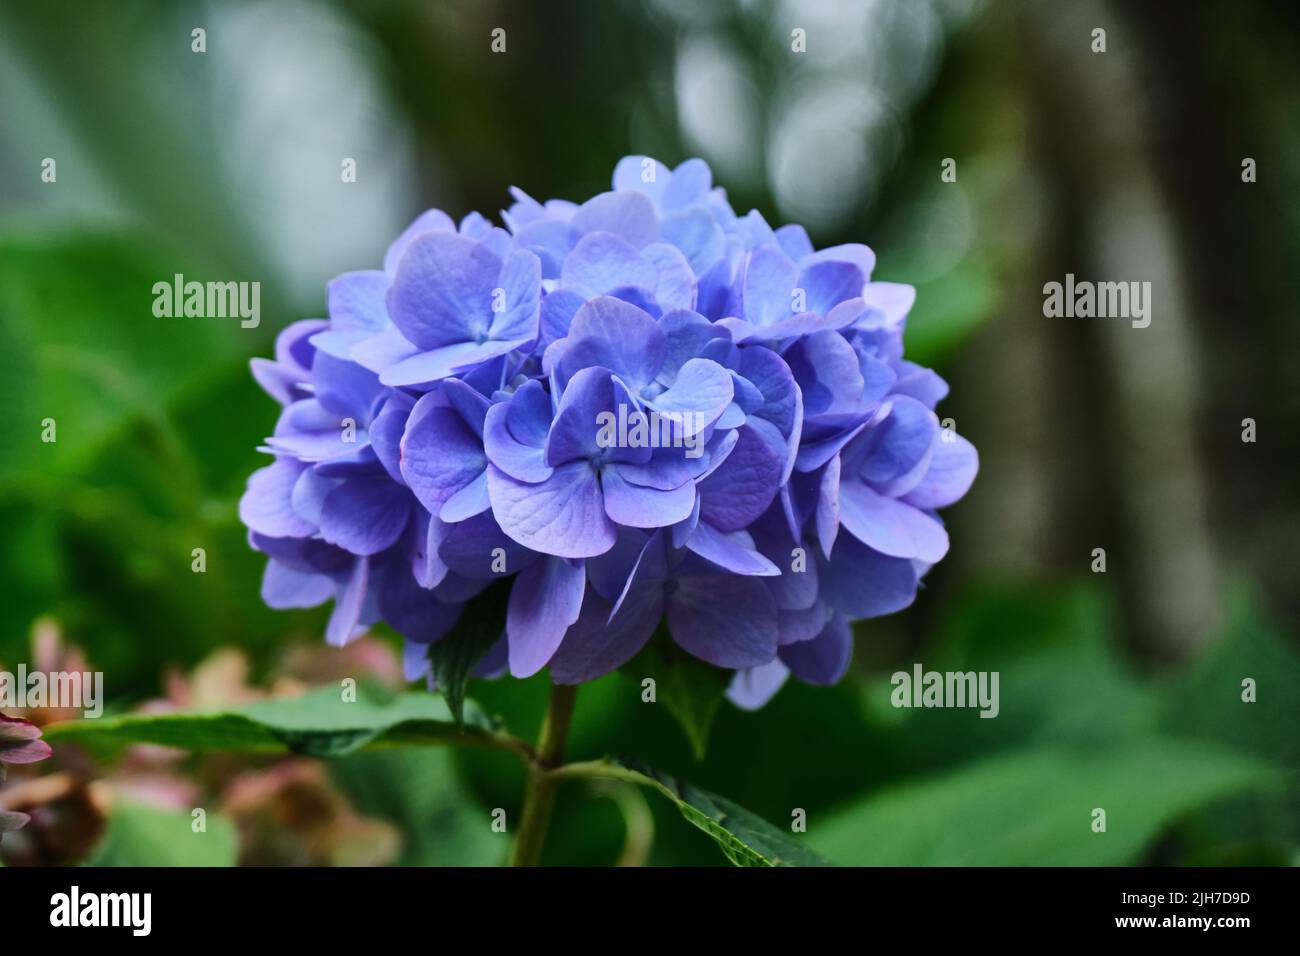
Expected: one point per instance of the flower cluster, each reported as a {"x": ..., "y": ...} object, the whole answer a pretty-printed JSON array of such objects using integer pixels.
[{"x": 641, "y": 409}]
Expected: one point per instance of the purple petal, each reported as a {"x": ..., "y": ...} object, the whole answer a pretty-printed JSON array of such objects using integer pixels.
[
  {"x": 381, "y": 351},
  {"x": 640, "y": 507},
  {"x": 469, "y": 501},
  {"x": 618, "y": 336},
  {"x": 530, "y": 410},
  {"x": 386, "y": 437},
  {"x": 696, "y": 234},
  {"x": 285, "y": 587},
  {"x": 595, "y": 645},
  {"x": 358, "y": 302},
  {"x": 827, "y": 284},
  {"x": 627, "y": 214},
  {"x": 442, "y": 291},
  {"x": 563, "y": 516},
  {"x": 725, "y": 619},
  {"x": 861, "y": 583},
  {"x": 897, "y": 452},
  {"x": 346, "y": 615},
  {"x": 794, "y": 242},
  {"x": 853, "y": 252},
  {"x": 440, "y": 453},
  {"x": 753, "y": 687},
  {"x": 952, "y": 470},
  {"x": 425, "y": 367},
  {"x": 828, "y": 506},
  {"x": 889, "y": 301},
  {"x": 890, "y": 526},
  {"x": 825, "y": 658},
  {"x": 431, "y": 220},
  {"x": 574, "y": 432},
  {"x": 602, "y": 262},
  {"x": 470, "y": 550},
  {"x": 741, "y": 489},
  {"x": 701, "y": 393},
  {"x": 544, "y": 601},
  {"x": 768, "y": 282},
  {"x": 733, "y": 551},
  {"x": 520, "y": 284},
  {"x": 267, "y": 505},
  {"x": 675, "y": 287},
  {"x": 365, "y": 515},
  {"x": 643, "y": 174},
  {"x": 690, "y": 183}
]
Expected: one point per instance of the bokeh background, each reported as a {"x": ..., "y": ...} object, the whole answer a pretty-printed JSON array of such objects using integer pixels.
[{"x": 1119, "y": 690}]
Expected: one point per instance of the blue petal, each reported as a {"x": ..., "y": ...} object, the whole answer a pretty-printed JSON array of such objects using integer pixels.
[
  {"x": 952, "y": 470},
  {"x": 563, "y": 516},
  {"x": 346, "y": 615},
  {"x": 827, "y": 284},
  {"x": 628, "y": 214},
  {"x": 697, "y": 234},
  {"x": 697, "y": 398},
  {"x": 825, "y": 658},
  {"x": 890, "y": 526},
  {"x": 602, "y": 262},
  {"x": 267, "y": 505},
  {"x": 440, "y": 363},
  {"x": 284, "y": 587},
  {"x": 617, "y": 335},
  {"x": 724, "y": 619},
  {"x": 545, "y": 599},
  {"x": 640, "y": 507},
  {"x": 753, "y": 687},
  {"x": 440, "y": 453},
  {"x": 743, "y": 486},
  {"x": 732, "y": 551},
  {"x": 520, "y": 285},
  {"x": 365, "y": 515},
  {"x": 767, "y": 286},
  {"x": 861, "y": 583},
  {"x": 431, "y": 220},
  {"x": 442, "y": 291}
]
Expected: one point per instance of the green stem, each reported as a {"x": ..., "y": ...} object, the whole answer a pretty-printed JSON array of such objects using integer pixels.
[{"x": 539, "y": 788}]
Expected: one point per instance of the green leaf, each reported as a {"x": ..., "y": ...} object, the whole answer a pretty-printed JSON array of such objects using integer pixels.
[
  {"x": 318, "y": 724},
  {"x": 689, "y": 688},
  {"x": 744, "y": 837},
  {"x": 139, "y": 835},
  {"x": 455, "y": 656},
  {"x": 1035, "y": 808}
]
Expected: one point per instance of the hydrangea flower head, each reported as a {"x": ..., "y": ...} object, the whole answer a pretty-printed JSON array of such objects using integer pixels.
[{"x": 642, "y": 410}]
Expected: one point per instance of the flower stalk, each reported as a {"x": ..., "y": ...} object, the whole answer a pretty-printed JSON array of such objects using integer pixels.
[{"x": 539, "y": 787}]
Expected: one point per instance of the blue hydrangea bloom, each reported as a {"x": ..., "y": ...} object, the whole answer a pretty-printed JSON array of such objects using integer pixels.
[{"x": 642, "y": 410}]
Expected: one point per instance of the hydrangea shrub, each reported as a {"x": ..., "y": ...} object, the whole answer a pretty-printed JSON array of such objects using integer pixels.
[{"x": 640, "y": 411}]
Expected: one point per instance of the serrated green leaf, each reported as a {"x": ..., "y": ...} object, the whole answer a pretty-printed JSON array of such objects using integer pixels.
[
  {"x": 689, "y": 688},
  {"x": 454, "y": 657},
  {"x": 744, "y": 837},
  {"x": 139, "y": 835},
  {"x": 318, "y": 724}
]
